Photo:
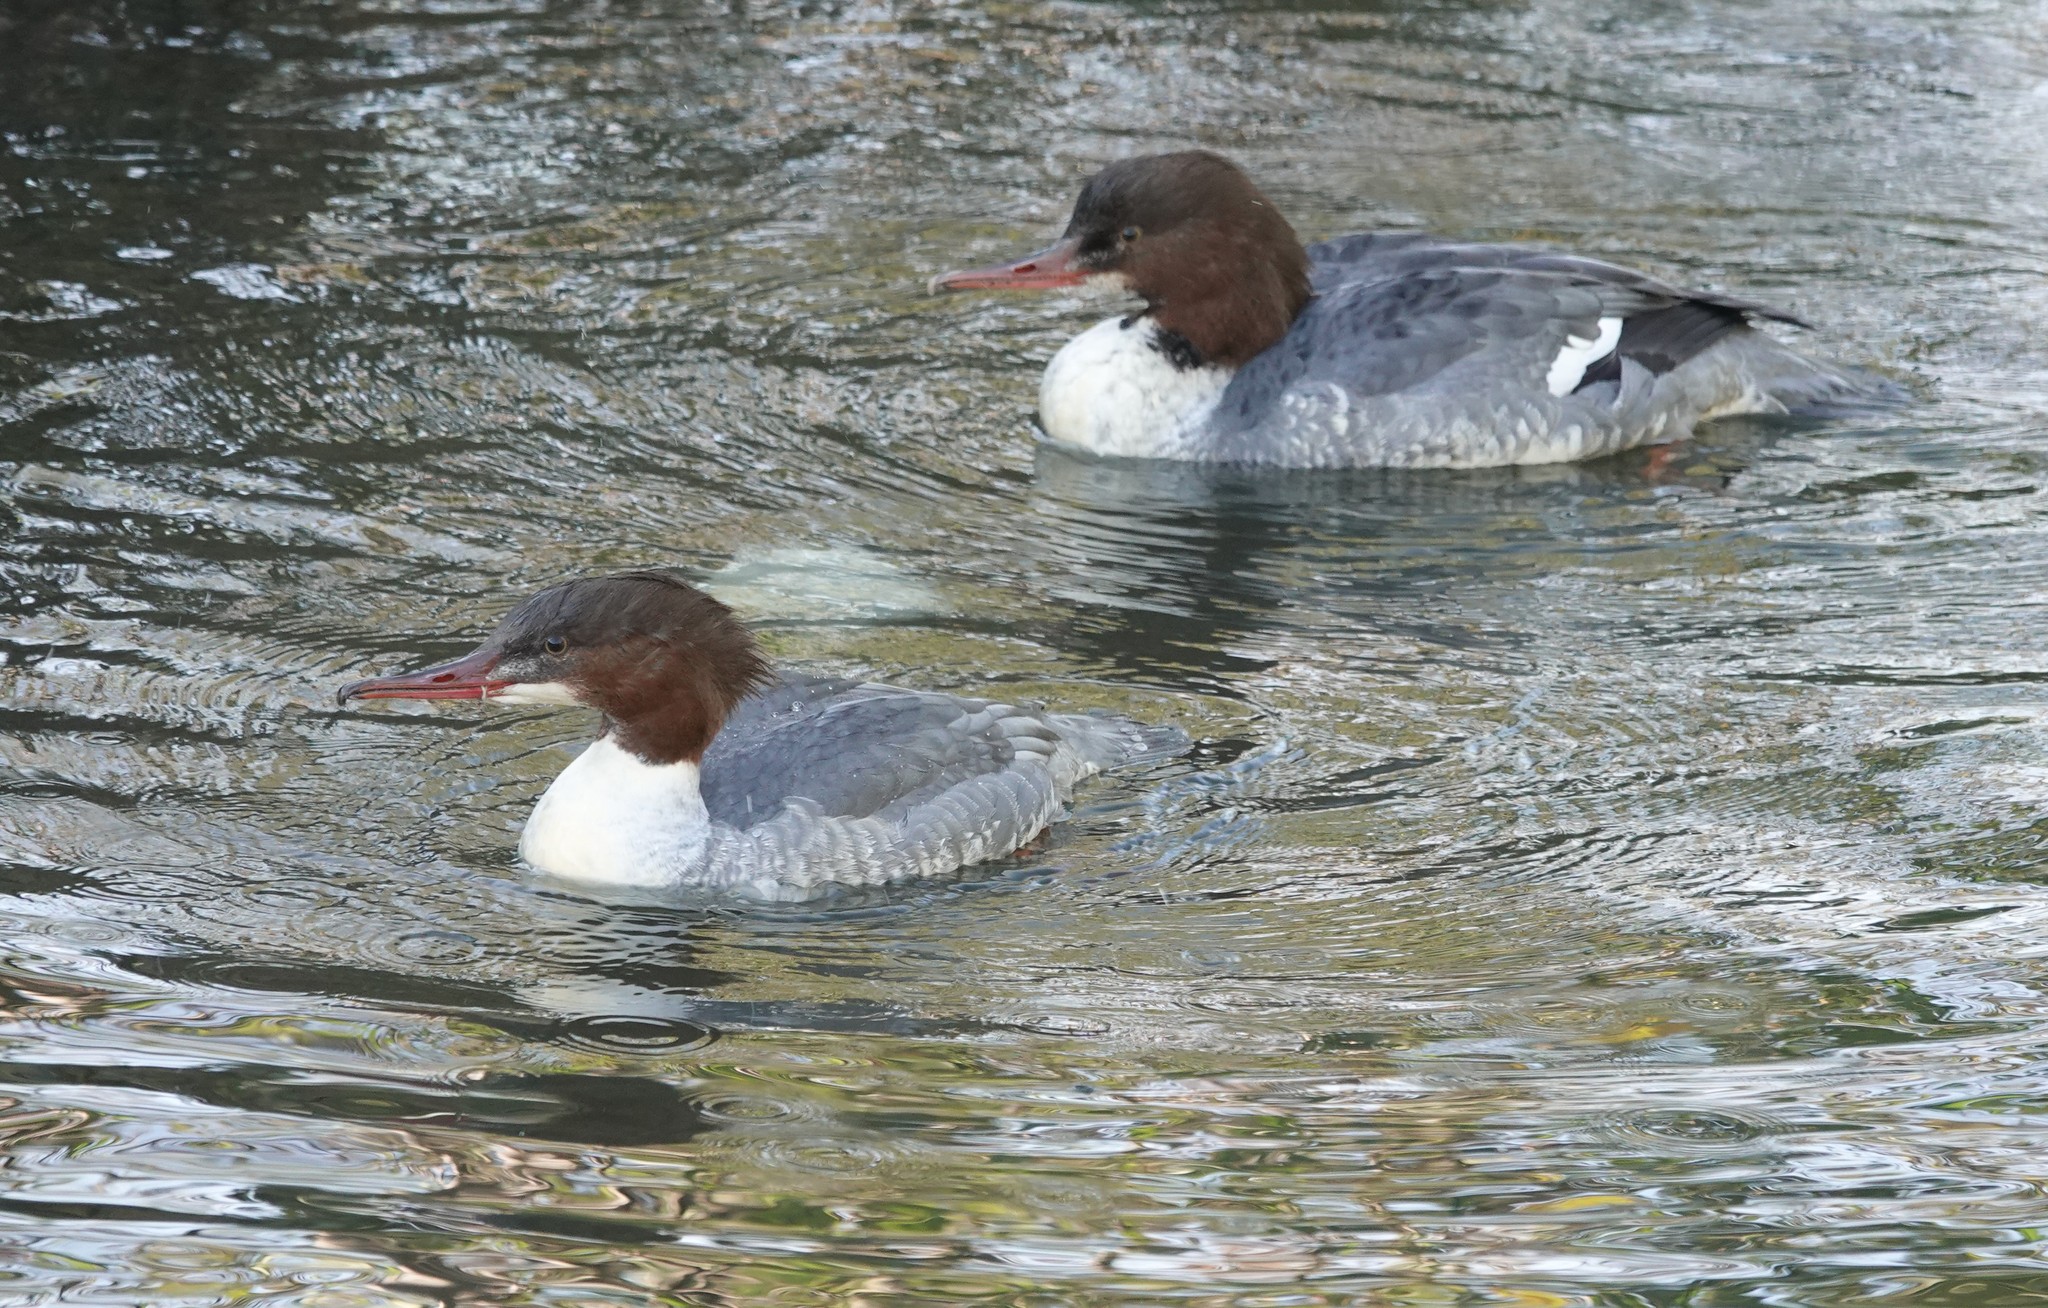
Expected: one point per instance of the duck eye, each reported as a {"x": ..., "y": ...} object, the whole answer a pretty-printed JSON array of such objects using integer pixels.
[
  {"x": 1131, "y": 233},
  {"x": 554, "y": 644}
]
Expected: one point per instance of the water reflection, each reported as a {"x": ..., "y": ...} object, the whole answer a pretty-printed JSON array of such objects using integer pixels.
[
  {"x": 1172, "y": 566},
  {"x": 1590, "y": 883}
]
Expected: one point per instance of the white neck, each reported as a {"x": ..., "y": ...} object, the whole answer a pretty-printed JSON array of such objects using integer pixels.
[
  {"x": 1112, "y": 390},
  {"x": 614, "y": 818}
]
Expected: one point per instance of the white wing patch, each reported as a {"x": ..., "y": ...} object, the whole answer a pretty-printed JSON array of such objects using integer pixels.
[{"x": 1568, "y": 369}]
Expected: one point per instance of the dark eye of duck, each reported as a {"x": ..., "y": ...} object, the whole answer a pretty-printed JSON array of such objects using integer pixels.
[
  {"x": 554, "y": 644},
  {"x": 1131, "y": 234}
]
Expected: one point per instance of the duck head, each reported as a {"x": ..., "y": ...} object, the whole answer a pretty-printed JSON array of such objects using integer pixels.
[
  {"x": 664, "y": 662},
  {"x": 1212, "y": 257}
]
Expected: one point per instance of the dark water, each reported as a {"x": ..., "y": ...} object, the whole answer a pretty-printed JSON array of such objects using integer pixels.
[{"x": 1605, "y": 885}]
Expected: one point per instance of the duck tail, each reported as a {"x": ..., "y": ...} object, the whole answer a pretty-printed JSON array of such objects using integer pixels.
[
  {"x": 1103, "y": 741},
  {"x": 1811, "y": 387}
]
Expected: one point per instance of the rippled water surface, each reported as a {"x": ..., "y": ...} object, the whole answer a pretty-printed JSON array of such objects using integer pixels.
[{"x": 1617, "y": 884}]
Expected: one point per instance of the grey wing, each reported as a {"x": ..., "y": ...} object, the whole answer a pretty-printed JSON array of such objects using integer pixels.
[
  {"x": 1520, "y": 292},
  {"x": 1385, "y": 337},
  {"x": 826, "y": 784},
  {"x": 1383, "y": 256},
  {"x": 848, "y": 750},
  {"x": 1420, "y": 353},
  {"x": 1378, "y": 336}
]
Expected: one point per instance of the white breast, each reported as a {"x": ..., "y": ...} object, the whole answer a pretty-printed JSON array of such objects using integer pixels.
[
  {"x": 1112, "y": 391},
  {"x": 617, "y": 819}
]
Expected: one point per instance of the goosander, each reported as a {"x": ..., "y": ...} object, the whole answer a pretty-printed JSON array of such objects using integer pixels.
[
  {"x": 1376, "y": 350},
  {"x": 714, "y": 773}
]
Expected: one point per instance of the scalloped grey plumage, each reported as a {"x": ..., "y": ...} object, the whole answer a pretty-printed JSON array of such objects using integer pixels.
[
  {"x": 1417, "y": 352},
  {"x": 817, "y": 783}
]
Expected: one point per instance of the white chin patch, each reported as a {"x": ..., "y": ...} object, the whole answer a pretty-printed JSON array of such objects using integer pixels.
[
  {"x": 1105, "y": 284},
  {"x": 1568, "y": 369},
  {"x": 537, "y": 692}
]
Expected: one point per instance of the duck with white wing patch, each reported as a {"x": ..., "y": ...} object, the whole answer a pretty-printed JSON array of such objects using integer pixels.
[{"x": 1378, "y": 350}]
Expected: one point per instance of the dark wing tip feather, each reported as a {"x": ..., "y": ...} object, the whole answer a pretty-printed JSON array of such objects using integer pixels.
[
  {"x": 1662, "y": 339},
  {"x": 1749, "y": 308}
]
